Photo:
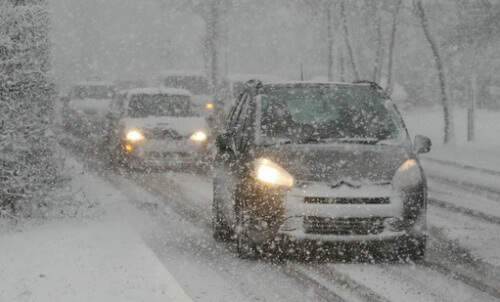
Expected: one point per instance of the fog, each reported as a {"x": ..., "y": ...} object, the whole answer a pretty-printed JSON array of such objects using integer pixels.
[{"x": 249, "y": 150}]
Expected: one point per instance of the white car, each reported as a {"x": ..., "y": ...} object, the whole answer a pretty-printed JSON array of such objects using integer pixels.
[
  {"x": 157, "y": 127},
  {"x": 86, "y": 107},
  {"x": 195, "y": 82}
]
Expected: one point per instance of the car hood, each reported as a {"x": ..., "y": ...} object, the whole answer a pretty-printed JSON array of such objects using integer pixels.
[
  {"x": 333, "y": 163},
  {"x": 183, "y": 126}
]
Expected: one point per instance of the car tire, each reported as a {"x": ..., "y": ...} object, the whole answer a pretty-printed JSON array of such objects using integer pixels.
[
  {"x": 245, "y": 247},
  {"x": 412, "y": 249},
  {"x": 221, "y": 231}
]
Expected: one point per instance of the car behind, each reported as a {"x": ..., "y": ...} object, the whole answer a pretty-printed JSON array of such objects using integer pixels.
[
  {"x": 86, "y": 107},
  {"x": 157, "y": 127}
]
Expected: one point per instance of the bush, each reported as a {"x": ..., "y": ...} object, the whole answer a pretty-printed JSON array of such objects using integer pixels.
[{"x": 28, "y": 169}]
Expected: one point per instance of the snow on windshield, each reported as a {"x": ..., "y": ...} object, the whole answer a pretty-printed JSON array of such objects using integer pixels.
[
  {"x": 326, "y": 113},
  {"x": 160, "y": 105}
]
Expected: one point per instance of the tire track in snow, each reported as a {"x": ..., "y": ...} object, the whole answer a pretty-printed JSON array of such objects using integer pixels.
[
  {"x": 328, "y": 283},
  {"x": 463, "y": 210},
  {"x": 341, "y": 285},
  {"x": 330, "y": 286},
  {"x": 220, "y": 255},
  {"x": 452, "y": 260},
  {"x": 493, "y": 193},
  {"x": 316, "y": 277}
]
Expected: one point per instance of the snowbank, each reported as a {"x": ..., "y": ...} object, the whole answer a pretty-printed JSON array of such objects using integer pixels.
[
  {"x": 93, "y": 262},
  {"x": 92, "y": 252},
  {"x": 482, "y": 152}
]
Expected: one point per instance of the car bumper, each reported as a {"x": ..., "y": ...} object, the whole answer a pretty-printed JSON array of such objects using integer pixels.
[
  {"x": 344, "y": 214},
  {"x": 156, "y": 153}
]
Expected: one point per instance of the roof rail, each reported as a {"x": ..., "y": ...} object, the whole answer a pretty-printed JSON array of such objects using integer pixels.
[
  {"x": 372, "y": 84},
  {"x": 254, "y": 84}
]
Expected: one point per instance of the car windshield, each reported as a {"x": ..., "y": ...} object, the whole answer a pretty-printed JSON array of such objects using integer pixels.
[
  {"x": 195, "y": 84},
  {"x": 146, "y": 105},
  {"x": 327, "y": 113},
  {"x": 95, "y": 92}
]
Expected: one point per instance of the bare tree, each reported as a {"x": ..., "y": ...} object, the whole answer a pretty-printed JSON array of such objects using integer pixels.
[
  {"x": 377, "y": 66},
  {"x": 449, "y": 134},
  {"x": 212, "y": 40},
  {"x": 392, "y": 44},
  {"x": 210, "y": 12},
  {"x": 326, "y": 6},
  {"x": 28, "y": 170},
  {"x": 347, "y": 38}
]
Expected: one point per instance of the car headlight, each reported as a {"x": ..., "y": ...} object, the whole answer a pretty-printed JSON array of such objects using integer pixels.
[
  {"x": 408, "y": 175},
  {"x": 199, "y": 136},
  {"x": 271, "y": 173},
  {"x": 80, "y": 112},
  {"x": 134, "y": 136},
  {"x": 209, "y": 106}
]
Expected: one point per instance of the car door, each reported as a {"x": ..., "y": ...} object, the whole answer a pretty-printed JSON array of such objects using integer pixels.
[{"x": 227, "y": 168}]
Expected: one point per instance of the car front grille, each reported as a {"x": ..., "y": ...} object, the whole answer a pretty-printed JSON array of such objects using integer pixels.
[
  {"x": 335, "y": 200},
  {"x": 155, "y": 154},
  {"x": 343, "y": 226},
  {"x": 162, "y": 134}
]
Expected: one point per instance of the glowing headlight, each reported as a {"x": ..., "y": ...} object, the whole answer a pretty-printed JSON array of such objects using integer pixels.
[
  {"x": 209, "y": 106},
  {"x": 407, "y": 165},
  {"x": 199, "y": 136},
  {"x": 134, "y": 136},
  {"x": 408, "y": 175},
  {"x": 271, "y": 173},
  {"x": 80, "y": 112}
]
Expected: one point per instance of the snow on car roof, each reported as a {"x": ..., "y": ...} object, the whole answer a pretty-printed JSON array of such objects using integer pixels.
[
  {"x": 166, "y": 73},
  {"x": 94, "y": 83},
  {"x": 158, "y": 90},
  {"x": 284, "y": 83},
  {"x": 247, "y": 77}
]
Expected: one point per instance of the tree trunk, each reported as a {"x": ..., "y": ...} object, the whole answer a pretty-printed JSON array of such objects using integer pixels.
[
  {"x": 329, "y": 11},
  {"x": 377, "y": 68},
  {"x": 449, "y": 133},
  {"x": 213, "y": 37},
  {"x": 348, "y": 41},
  {"x": 389, "y": 87},
  {"x": 342, "y": 66}
]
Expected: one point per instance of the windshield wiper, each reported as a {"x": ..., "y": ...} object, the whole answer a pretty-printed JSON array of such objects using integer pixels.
[
  {"x": 278, "y": 143},
  {"x": 361, "y": 140},
  {"x": 320, "y": 140}
]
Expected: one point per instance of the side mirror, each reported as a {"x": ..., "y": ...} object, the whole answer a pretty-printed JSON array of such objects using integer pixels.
[
  {"x": 422, "y": 144},
  {"x": 223, "y": 142}
]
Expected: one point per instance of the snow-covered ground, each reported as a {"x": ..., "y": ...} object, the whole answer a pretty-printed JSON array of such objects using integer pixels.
[
  {"x": 481, "y": 152},
  {"x": 98, "y": 255}
]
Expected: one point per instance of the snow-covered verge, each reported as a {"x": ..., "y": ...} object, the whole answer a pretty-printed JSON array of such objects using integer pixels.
[
  {"x": 91, "y": 249},
  {"x": 482, "y": 152},
  {"x": 28, "y": 169}
]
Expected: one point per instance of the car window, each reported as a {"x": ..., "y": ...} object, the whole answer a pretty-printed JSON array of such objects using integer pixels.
[
  {"x": 308, "y": 113},
  {"x": 93, "y": 92},
  {"x": 244, "y": 119},
  {"x": 145, "y": 105}
]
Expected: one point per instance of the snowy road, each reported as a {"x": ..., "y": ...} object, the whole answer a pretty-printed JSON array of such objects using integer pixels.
[
  {"x": 461, "y": 265},
  {"x": 462, "y": 262}
]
